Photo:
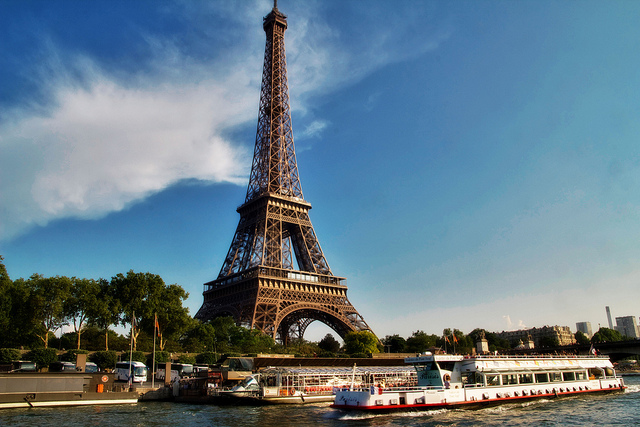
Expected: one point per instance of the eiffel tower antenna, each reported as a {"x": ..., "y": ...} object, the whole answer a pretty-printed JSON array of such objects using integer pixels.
[{"x": 275, "y": 277}]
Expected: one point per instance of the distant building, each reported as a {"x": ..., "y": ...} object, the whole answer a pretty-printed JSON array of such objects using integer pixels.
[
  {"x": 585, "y": 328},
  {"x": 609, "y": 317},
  {"x": 562, "y": 333},
  {"x": 628, "y": 326}
]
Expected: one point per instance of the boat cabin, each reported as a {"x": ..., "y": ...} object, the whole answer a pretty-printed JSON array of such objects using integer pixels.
[{"x": 458, "y": 371}]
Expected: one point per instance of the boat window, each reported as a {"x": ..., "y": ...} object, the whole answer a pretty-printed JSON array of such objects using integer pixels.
[
  {"x": 446, "y": 366},
  {"x": 472, "y": 378},
  {"x": 542, "y": 378},
  {"x": 493, "y": 379},
  {"x": 555, "y": 376},
  {"x": 509, "y": 379},
  {"x": 569, "y": 376},
  {"x": 581, "y": 376},
  {"x": 525, "y": 378},
  {"x": 594, "y": 373}
]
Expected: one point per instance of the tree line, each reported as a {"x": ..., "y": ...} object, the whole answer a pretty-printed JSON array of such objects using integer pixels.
[
  {"x": 455, "y": 341},
  {"x": 32, "y": 310}
]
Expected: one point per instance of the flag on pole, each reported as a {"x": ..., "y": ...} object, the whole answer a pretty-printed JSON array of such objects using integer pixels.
[
  {"x": 455, "y": 340},
  {"x": 447, "y": 339},
  {"x": 157, "y": 325}
]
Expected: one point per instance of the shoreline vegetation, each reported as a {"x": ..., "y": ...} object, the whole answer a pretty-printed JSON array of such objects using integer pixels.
[{"x": 33, "y": 310}]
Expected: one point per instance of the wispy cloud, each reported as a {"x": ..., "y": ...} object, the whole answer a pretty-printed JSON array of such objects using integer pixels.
[{"x": 313, "y": 130}]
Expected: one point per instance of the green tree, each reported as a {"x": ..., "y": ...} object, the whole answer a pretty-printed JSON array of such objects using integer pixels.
[
  {"x": 360, "y": 342},
  {"x": 104, "y": 359},
  {"x": 581, "y": 338},
  {"x": 78, "y": 306},
  {"x": 161, "y": 357},
  {"x": 200, "y": 337},
  {"x": 549, "y": 341},
  {"x": 173, "y": 318},
  {"x": 142, "y": 296},
  {"x": 394, "y": 344},
  {"x": 303, "y": 348},
  {"x": 207, "y": 358},
  {"x": 136, "y": 356},
  {"x": 47, "y": 302},
  {"x": 138, "y": 295},
  {"x": 495, "y": 343},
  {"x": 187, "y": 358},
  {"x": 43, "y": 357},
  {"x": 224, "y": 328},
  {"x": 420, "y": 342},
  {"x": 6, "y": 290},
  {"x": 607, "y": 335},
  {"x": 462, "y": 344},
  {"x": 8, "y": 355},
  {"x": 17, "y": 321},
  {"x": 106, "y": 311},
  {"x": 251, "y": 340},
  {"x": 329, "y": 344}
]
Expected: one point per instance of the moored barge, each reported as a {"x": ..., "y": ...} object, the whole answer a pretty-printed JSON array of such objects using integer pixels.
[{"x": 35, "y": 389}]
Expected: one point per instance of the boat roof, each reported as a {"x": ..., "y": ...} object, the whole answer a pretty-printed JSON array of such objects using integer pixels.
[
  {"x": 338, "y": 370},
  {"x": 515, "y": 362}
]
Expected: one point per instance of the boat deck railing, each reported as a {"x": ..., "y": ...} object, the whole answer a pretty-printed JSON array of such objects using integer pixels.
[
  {"x": 534, "y": 356},
  {"x": 376, "y": 390},
  {"x": 520, "y": 356}
]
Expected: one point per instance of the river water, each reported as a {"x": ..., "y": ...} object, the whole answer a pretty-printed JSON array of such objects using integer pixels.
[{"x": 622, "y": 409}]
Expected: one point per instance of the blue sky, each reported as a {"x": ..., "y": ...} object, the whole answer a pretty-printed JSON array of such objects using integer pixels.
[{"x": 470, "y": 164}]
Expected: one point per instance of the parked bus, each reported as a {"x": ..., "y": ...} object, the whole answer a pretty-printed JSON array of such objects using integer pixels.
[
  {"x": 91, "y": 367},
  {"x": 178, "y": 370},
  {"x": 23, "y": 366},
  {"x": 62, "y": 367},
  {"x": 138, "y": 372}
]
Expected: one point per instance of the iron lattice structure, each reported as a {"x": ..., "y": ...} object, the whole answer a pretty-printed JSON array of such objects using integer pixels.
[{"x": 258, "y": 284}]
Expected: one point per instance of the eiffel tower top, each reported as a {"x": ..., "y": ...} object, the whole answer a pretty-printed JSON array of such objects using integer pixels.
[
  {"x": 275, "y": 15},
  {"x": 274, "y": 170}
]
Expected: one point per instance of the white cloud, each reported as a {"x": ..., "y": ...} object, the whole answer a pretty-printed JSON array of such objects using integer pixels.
[
  {"x": 104, "y": 146},
  {"x": 108, "y": 139}
]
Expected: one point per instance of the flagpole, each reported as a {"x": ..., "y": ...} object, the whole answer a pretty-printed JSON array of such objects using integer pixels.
[
  {"x": 153, "y": 369},
  {"x": 133, "y": 321}
]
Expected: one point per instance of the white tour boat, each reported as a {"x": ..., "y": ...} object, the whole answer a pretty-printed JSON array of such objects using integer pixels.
[
  {"x": 313, "y": 384},
  {"x": 457, "y": 381}
]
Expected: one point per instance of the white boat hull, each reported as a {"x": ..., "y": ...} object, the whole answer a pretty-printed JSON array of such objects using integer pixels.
[{"x": 424, "y": 399}]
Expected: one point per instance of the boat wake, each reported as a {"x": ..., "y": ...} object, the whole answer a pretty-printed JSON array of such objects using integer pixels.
[
  {"x": 633, "y": 388},
  {"x": 351, "y": 416},
  {"x": 514, "y": 406}
]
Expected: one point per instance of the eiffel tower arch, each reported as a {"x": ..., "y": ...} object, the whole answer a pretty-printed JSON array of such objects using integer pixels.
[{"x": 258, "y": 285}]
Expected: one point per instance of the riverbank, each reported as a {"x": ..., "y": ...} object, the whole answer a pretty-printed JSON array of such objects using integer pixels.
[{"x": 620, "y": 409}]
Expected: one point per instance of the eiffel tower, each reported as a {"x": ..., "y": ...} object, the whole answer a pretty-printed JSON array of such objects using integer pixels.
[{"x": 258, "y": 285}]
